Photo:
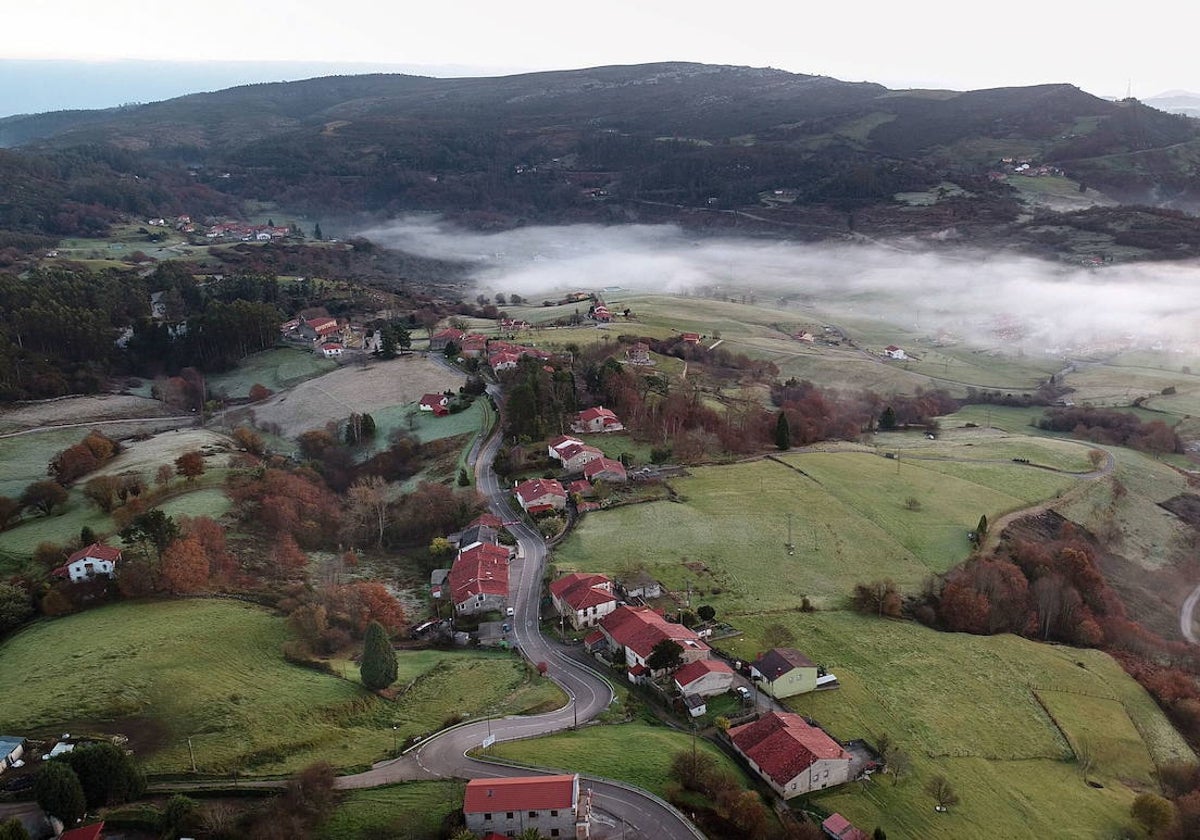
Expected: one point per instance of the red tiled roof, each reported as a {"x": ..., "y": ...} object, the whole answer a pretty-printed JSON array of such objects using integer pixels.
[
  {"x": 591, "y": 414},
  {"x": 480, "y": 570},
  {"x": 583, "y": 487},
  {"x": 700, "y": 668},
  {"x": 593, "y": 638},
  {"x": 784, "y": 745},
  {"x": 840, "y": 827},
  {"x": 489, "y": 519},
  {"x": 641, "y": 628},
  {"x": 97, "y": 550},
  {"x": 603, "y": 465},
  {"x": 520, "y": 793},
  {"x": 581, "y": 591},
  {"x": 87, "y": 832},
  {"x": 535, "y": 488}
]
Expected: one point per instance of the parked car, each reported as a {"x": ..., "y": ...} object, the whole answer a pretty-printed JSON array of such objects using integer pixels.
[{"x": 743, "y": 692}]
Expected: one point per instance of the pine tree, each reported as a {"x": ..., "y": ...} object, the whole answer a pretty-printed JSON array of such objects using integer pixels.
[
  {"x": 59, "y": 792},
  {"x": 887, "y": 420},
  {"x": 317, "y": 232},
  {"x": 783, "y": 432},
  {"x": 378, "y": 667}
]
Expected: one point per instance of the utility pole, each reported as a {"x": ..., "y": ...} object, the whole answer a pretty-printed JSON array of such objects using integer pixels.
[{"x": 192, "y": 753}]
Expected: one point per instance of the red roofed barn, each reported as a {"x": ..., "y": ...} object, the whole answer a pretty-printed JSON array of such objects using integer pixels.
[
  {"x": 583, "y": 599},
  {"x": 551, "y": 804},
  {"x": 791, "y": 755},
  {"x": 605, "y": 469}
]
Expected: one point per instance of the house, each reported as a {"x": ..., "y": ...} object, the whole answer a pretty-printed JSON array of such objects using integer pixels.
[
  {"x": 12, "y": 748},
  {"x": 784, "y": 672},
  {"x": 575, "y": 457},
  {"x": 598, "y": 419},
  {"x": 791, "y": 755},
  {"x": 553, "y": 805},
  {"x": 504, "y": 360},
  {"x": 704, "y": 677},
  {"x": 581, "y": 487},
  {"x": 436, "y": 403},
  {"x": 636, "y": 630},
  {"x": 473, "y": 346},
  {"x": 440, "y": 339},
  {"x": 605, "y": 469},
  {"x": 538, "y": 495},
  {"x": 555, "y": 447},
  {"x": 317, "y": 328},
  {"x": 582, "y": 598},
  {"x": 690, "y": 337},
  {"x": 332, "y": 349},
  {"x": 478, "y": 579},
  {"x": 638, "y": 354},
  {"x": 695, "y": 705},
  {"x": 474, "y": 535},
  {"x": 641, "y": 585},
  {"x": 838, "y": 827},
  {"x": 894, "y": 352},
  {"x": 86, "y": 563},
  {"x": 87, "y": 832}
]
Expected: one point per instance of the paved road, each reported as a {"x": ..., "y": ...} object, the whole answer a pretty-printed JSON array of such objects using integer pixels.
[{"x": 626, "y": 811}]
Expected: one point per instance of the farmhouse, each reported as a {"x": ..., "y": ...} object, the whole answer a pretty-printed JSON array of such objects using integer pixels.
[
  {"x": 704, "y": 677},
  {"x": 439, "y": 340},
  {"x": 538, "y": 495},
  {"x": 597, "y": 419},
  {"x": 577, "y": 456},
  {"x": 332, "y": 349},
  {"x": 479, "y": 579},
  {"x": 636, "y": 630},
  {"x": 473, "y": 345},
  {"x": 784, "y": 672},
  {"x": 894, "y": 352},
  {"x": 504, "y": 360},
  {"x": 557, "y": 445},
  {"x": 791, "y": 755},
  {"x": 605, "y": 469},
  {"x": 641, "y": 584},
  {"x": 690, "y": 337},
  {"x": 435, "y": 403},
  {"x": 583, "y": 599},
  {"x": 12, "y": 748},
  {"x": 551, "y": 804},
  {"x": 86, "y": 563},
  {"x": 317, "y": 328},
  {"x": 638, "y": 354}
]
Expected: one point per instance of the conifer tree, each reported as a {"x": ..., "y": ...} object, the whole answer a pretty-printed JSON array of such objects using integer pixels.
[{"x": 378, "y": 667}]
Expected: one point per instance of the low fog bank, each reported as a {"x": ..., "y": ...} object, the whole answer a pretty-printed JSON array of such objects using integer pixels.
[{"x": 973, "y": 295}]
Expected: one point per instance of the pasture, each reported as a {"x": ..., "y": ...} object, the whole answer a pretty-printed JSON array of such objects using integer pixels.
[
  {"x": 413, "y": 810},
  {"x": 277, "y": 369},
  {"x": 212, "y": 671}
]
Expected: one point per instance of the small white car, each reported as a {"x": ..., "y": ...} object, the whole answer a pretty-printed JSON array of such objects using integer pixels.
[
  {"x": 509, "y": 612},
  {"x": 743, "y": 692}
]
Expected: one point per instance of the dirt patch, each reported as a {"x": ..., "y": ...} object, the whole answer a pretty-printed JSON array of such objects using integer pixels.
[
  {"x": 351, "y": 388},
  {"x": 69, "y": 410},
  {"x": 1186, "y": 506},
  {"x": 143, "y": 735}
]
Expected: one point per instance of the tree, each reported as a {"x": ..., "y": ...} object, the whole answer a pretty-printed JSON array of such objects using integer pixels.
[
  {"x": 899, "y": 765},
  {"x": 13, "y": 829},
  {"x": 1153, "y": 811},
  {"x": 378, "y": 667},
  {"x": 706, "y": 612},
  {"x": 369, "y": 506},
  {"x": 942, "y": 791},
  {"x": 58, "y": 791},
  {"x": 107, "y": 774},
  {"x": 317, "y": 231},
  {"x": 15, "y": 606},
  {"x": 154, "y": 528},
  {"x": 878, "y": 833},
  {"x": 249, "y": 440},
  {"x": 190, "y": 465},
  {"x": 162, "y": 476},
  {"x": 102, "y": 491},
  {"x": 44, "y": 496},
  {"x": 887, "y": 420},
  {"x": 783, "y": 432},
  {"x": 185, "y": 567},
  {"x": 10, "y": 509},
  {"x": 667, "y": 655}
]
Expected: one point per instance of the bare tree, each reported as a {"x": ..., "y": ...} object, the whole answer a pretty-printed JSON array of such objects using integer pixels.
[
  {"x": 942, "y": 791},
  {"x": 369, "y": 505}
]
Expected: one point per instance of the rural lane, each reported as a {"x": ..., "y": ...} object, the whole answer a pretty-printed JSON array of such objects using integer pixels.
[{"x": 633, "y": 812}]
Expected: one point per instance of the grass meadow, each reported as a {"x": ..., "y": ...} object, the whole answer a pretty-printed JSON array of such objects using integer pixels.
[
  {"x": 413, "y": 810},
  {"x": 212, "y": 671},
  {"x": 277, "y": 369}
]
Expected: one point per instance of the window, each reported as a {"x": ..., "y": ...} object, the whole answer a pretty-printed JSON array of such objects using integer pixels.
[
  {"x": 487, "y": 816},
  {"x": 533, "y": 815},
  {"x": 554, "y": 832},
  {"x": 554, "y": 813},
  {"x": 509, "y": 815}
]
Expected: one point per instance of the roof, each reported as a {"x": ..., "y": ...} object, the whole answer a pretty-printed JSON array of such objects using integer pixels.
[
  {"x": 535, "y": 488},
  {"x": 784, "y": 745},
  {"x": 581, "y": 591},
  {"x": 593, "y": 638},
  {"x": 587, "y": 415},
  {"x": 433, "y": 399},
  {"x": 520, "y": 793},
  {"x": 473, "y": 534},
  {"x": 570, "y": 450},
  {"x": 482, "y": 570},
  {"x": 891, "y": 348},
  {"x": 332, "y": 345},
  {"x": 9, "y": 743},
  {"x": 693, "y": 671},
  {"x": 778, "y": 661},
  {"x": 641, "y": 628},
  {"x": 838, "y": 826},
  {"x": 88, "y": 832},
  {"x": 489, "y": 519},
  {"x": 97, "y": 551},
  {"x": 603, "y": 465}
]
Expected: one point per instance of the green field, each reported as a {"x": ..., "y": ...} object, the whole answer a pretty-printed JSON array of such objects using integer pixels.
[
  {"x": 276, "y": 369},
  {"x": 630, "y": 752},
  {"x": 25, "y": 457},
  {"x": 412, "y": 811},
  {"x": 212, "y": 671}
]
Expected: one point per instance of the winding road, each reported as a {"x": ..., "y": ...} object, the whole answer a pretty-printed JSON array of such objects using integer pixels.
[{"x": 625, "y": 811}]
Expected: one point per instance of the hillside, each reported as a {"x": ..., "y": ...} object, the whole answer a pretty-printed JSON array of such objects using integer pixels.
[{"x": 651, "y": 142}]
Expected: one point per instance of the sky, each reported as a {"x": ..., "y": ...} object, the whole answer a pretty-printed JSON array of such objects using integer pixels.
[{"x": 1107, "y": 50}]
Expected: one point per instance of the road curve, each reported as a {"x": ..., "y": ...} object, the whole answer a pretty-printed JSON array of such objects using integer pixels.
[
  {"x": 635, "y": 813},
  {"x": 1186, "y": 613}
]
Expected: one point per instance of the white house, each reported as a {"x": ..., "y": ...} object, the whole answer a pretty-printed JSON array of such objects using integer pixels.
[
  {"x": 89, "y": 562},
  {"x": 704, "y": 677},
  {"x": 894, "y": 352},
  {"x": 791, "y": 755},
  {"x": 582, "y": 598},
  {"x": 538, "y": 495},
  {"x": 505, "y": 807},
  {"x": 332, "y": 349}
]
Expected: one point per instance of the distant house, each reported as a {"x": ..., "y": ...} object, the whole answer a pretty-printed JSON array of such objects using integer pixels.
[
  {"x": 704, "y": 677},
  {"x": 805, "y": 336},
  {"x": 695, "y": 705},
  {"x": 638, "y": 354},
  {"x": 87, "y": 563},
  {"x": 538, "y": 495},
  {"x": 473, "y": 346},
  {"x": 791, "y": 755},
  {"x": 582, "y": 598},
  {"x": 838, "y": 827},
  {"x": 479, "y": 579},
  {"x": 332, "y": 349},
  {"x": 506, "y": 807},
  {"x": 894, "y": 352},
  {"x": 12, "y": 748},
  {"x": 636, "y": 630},
  {"x": 641, "y": 584},
  {"x": 504, "y": 360},
  {"x": 95, "y": 831},
  {"x": 436, "y": 403},
  {"x": 439, "y": 340},
  {"x": 785, "y": 672},
  {"x": 557, "y": 445},
  {"x": 574, "y": 458},
  {"x": 598, "y": 419},
  {"x": 690, "y": 337},
  {"x": 317, "y": 328},
  {"x": 605, "y": 469}
]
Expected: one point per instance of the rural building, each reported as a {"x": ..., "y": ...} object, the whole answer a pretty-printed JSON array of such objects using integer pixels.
[
  {"x": 439, "y": 340},
  {"x": 474, "y": 535},
  {"x": 784, "y": 672},
  {"x": 641, "y": 584},
  {"x": 605, "y": 469},
  {"x": 436, "y": 403},
  {"x": 556, "y": 446},
  {"x": 504, "y": 360},
  {"x": 437, "y": 582},
  {"x": 791, "y": 755},
  {"x": 636, "y": 630},
  {"x": 894, "y": 352},
  {"x": 95, "y": 831},
  {"x": 597, "y": 419},
  {"x": 575, "y": 458},
  {"x": 580, "y": 487},
  {"x": 473, "y": 345},
  {"x": 12, "y": 748},
  {"x": 551, "y": 804},
  {"x": 838, "y": 827},
  {"x": 690, "y": 337},
  {"x": 86, "y": 563},
  {"x": 695, "y": 705},
  {"x": 638, "y": 354},
  {"x": 538, "y": 495},
  {"x": 479, "y": 579},
  {"x": 583, "y": 599},
  {"x": 704, "y": 677},
  {"x": 317, "y": 328},
  {"x": 332, "y": 349}
]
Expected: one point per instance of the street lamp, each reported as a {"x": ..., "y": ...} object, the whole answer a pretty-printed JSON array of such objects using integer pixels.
[{"x": 395, "y": 737}]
